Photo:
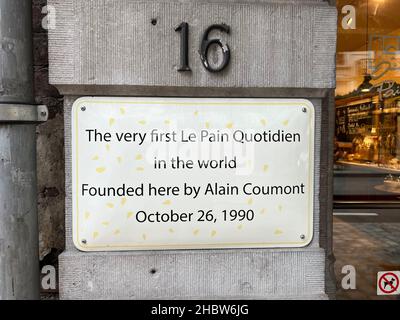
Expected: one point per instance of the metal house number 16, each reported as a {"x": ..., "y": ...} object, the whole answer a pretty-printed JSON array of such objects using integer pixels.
[{"x": 205, "y": 45}]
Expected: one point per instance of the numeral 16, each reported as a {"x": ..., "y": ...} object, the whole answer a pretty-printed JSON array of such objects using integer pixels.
[{"x": 205, "y": 45}]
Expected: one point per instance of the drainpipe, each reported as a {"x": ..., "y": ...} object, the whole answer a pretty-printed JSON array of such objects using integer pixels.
[{"x": 19, "y": 262}]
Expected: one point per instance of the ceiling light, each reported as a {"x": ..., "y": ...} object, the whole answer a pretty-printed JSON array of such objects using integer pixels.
[{"x": 366, "y": 85}]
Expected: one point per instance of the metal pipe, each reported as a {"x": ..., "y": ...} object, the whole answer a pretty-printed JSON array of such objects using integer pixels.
[{"x": 19, "y": 262}]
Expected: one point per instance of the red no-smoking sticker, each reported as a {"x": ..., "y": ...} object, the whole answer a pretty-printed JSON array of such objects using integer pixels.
[{"x": 388, "y": 283}]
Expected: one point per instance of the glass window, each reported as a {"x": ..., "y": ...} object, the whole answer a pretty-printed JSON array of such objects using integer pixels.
[
  {"x": 366, "y": 222},
  {"x": 367, "y": 139}
]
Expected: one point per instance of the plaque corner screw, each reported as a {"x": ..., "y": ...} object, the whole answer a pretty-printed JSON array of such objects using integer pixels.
[
  {"x": 302, "y": 237},
  {"x": 84, "y": 241},
  {"x": 83, "y": 108},
  {"x": 304, "y": 110}
]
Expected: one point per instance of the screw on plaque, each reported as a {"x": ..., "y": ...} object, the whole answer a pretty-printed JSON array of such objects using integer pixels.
[
  {"x": 304, "y": 109},
  {"x": 302, "y": 237},
  {"x": 84, "y": 241},
  {"x": 83, "y": 108}
]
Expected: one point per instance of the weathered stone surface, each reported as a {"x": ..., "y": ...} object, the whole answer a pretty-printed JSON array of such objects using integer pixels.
[
  {"x": 50, "y": 144},
  {"x": 273, "y": 43},
  {"x": 51, "y": 201},
  {"x": 111, "y": 48},
  {"x": 202, "y": 274}
]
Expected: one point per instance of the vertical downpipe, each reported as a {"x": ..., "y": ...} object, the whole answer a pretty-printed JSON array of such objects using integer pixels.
[{"x": 19, "y": 265}]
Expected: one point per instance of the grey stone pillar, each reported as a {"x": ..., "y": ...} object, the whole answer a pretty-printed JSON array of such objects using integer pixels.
[{"x": 279, "y": 49}]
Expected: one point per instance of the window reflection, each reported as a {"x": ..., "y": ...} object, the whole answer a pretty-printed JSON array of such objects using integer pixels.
[{"x": 367, "y": 111}]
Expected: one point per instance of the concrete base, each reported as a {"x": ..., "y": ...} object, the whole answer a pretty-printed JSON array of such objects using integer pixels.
[{"x": 203, "y": 274}]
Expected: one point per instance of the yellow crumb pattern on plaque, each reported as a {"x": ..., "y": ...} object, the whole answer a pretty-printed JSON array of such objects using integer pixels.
[
  {"x": 122, "y": 110},
  {"x": 106, "y": 223},
  {"x": 142, "y": 122},
  {"x": 95, "y": 235},
  {"x": 139, "y": 169},
  {"x": 87, "y": 215},
  {"x": 108, "y": 147},
  {"x": 167, "y": 122},
  {"x": 100, "y": 169},
  {"x": 213, "y": 233},
  {"x": 263, "y": 211},
  {"x": 110, "y": 205},
  {"x": 265, "y": 167},
  {"x": 170, "y": 230},
  {"x": 280, "y": 208},
  {"x": 144, "y": 236},
  {"x": 123, "y": 201},
  {"x": 240, "y": 227},
  {"x": 119, "y": 159},
  {"x": 196, "y": 232},
  {"x": 95, "y": 157},
  {"x": 116, "y": 232},
  {"x": 207, "y": 124},
  {"x": 111, "y": 121},
  {"x": 229, "y": 125},
  {"x": 196, "y": 113},
  {"x": 129, "y": 214},
  {"x": 250, "y": 201},
  {"x": 278, "y": 232},
  {"x": 167, "y": 202},
  {"x": 285, "y": 123},
  {"x": 263, "y": 122},
  {"x": 139, "y": 157}
]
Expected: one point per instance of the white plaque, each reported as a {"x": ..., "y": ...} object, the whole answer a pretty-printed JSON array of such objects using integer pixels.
[{"x": 172, "y": 173}]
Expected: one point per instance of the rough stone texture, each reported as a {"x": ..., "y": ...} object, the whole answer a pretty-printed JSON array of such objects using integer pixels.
[
  {"x": 106, "y": 48},
  {"x": 113, "y": 42},
  {"x": 50, "y": 144},
  {"x": 326, "y": 190},
  {"x": 229, "y": 274}
]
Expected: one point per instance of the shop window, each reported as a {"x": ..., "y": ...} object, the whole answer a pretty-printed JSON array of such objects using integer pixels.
[{"x": 367, "y": 133}]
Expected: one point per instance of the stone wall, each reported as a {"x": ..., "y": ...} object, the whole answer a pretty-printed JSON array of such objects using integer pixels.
[
  {"x": 50, "y": 144},
  {"x": 83, "y": 62}
]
